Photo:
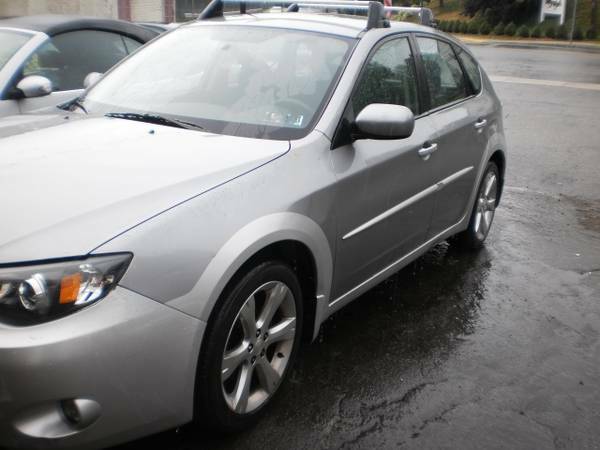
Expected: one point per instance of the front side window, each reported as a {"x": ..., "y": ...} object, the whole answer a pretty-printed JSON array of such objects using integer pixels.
[
  {"x": 389, "y": 77},
  {"x": 445, "y": 78},
  {"x": 11, "y": 42},
  {"x": 68, "y": 58},
  {"x": 237, "y": 80}
]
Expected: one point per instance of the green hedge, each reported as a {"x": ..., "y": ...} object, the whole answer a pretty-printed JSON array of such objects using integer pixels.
[
  {"x": 562, "y": 32},
  {"x": 510, "y": 29},
  {"x": 578, "y": 34},
  {"x": 536, "y": 32},
  {"x": 523, "y": 31},
  {"x": 485, "y": 29},
  {"x": 499, "y": 29},
  {"x": 551, "y": 32},
  {"x": 473, "y": 27}
]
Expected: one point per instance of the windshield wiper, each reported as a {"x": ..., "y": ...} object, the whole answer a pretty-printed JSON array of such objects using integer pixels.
[
  {"x": 68, "y": 106},
  {"x": 154, "y": 118}
]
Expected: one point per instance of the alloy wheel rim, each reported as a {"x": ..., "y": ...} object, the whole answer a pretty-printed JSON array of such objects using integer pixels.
[
  {"x": 486, "y": 206},
  {"x": 258, "y": 347}
]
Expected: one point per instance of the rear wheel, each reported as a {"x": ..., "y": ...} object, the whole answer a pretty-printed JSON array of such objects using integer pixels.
[
  {"x": 249, "y": 347},
  {"x": 484, "y": 210}
]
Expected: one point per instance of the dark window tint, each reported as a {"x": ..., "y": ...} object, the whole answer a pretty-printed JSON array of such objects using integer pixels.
[
  {"x": 389, "y": 77},
  {"x": 472, "y": 69},
  {"x": 444, "y": 75},
  {"x": 67, "y": 58}
]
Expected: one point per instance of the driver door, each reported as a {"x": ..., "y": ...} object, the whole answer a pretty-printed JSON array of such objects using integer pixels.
[{"x": 382, "y": 203}]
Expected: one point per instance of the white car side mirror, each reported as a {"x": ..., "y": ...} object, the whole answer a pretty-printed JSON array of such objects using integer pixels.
[
  {"x": 91, "y": 79},
  {"x": 35, "y": 86}
]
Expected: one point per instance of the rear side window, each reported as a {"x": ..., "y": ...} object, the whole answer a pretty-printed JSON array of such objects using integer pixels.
[
  {"x": 389, "y": 77},
  {"x": 472, "y": 69},
  {"x": 68, "y": 58},
  {"x": 445, "y": 78}
]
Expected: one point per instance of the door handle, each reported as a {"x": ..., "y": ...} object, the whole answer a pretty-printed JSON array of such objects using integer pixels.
[
  {"x": 426, "y": 152},
  {"x": 481, "y": 123}
]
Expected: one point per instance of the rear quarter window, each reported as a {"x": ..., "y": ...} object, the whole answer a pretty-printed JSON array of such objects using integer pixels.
[{"x": 472, "y": 69}]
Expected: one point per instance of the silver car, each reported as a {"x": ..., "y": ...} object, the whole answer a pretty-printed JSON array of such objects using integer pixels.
[{"x": 212, "y": 200}]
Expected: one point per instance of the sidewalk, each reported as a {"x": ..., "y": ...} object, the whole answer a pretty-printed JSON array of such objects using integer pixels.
[{"x": 527, "y": 43}]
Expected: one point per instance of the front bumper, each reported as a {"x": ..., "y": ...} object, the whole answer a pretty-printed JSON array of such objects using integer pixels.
[{"x": 132, "y": 357}]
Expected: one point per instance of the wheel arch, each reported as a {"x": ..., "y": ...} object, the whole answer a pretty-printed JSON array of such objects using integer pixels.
[
  {"x": 499, "y": 159},
  {"x": 289, "y": 237}
]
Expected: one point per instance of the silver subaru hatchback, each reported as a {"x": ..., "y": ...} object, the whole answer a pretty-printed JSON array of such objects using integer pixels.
[{"x": 212, "y": 200}]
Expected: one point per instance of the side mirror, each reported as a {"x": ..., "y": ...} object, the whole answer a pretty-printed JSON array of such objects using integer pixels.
[
  {"x": 91, "y": 79},
  {"x": 381, "y": 121},
  {"x": 35, "y": 86}
]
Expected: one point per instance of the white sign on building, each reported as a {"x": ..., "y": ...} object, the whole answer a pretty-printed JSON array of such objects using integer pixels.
[{"x": 554, "y": 8}]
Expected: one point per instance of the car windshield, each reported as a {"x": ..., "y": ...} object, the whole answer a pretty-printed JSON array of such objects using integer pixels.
[
  {"x": 236, "y": 80},
  {"x": 10, "y": 42}
]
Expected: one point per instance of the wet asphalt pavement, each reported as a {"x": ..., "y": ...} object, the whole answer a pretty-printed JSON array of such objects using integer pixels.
[{"x": 498, "y": 349}]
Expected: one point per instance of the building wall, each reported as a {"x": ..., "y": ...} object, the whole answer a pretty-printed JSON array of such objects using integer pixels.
[
  {"x": 98, "y": 8},
  {"x": 135, "y": 10},
  {"x": 147, "y": 10}
]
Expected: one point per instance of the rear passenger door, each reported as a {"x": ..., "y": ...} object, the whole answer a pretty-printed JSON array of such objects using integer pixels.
[{"x": 460, "y": 148}]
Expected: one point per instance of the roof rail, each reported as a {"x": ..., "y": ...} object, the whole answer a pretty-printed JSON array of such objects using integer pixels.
[{"x": 376, "y": 11}]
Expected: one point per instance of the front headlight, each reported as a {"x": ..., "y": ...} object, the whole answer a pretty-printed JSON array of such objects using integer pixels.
[{"x": 38, "y": 293}]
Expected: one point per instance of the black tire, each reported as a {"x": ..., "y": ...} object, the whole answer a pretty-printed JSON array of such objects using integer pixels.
[
  {"x": 473, "y": 238},
  {"x": 212, "y": 411}
]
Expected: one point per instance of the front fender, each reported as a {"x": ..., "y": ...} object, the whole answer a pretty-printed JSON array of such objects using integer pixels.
[{"x": 246, "y": 242}]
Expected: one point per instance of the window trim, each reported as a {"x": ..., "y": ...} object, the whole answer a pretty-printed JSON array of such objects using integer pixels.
[
  {"x": 470, "y": 95},
  {"x": 337, "y": 139}
]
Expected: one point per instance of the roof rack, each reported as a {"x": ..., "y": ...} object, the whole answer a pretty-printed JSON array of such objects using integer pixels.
[{"x": 376, "y": 11}]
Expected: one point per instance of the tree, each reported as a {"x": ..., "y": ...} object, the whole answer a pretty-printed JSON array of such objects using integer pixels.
[
  {"x": 594, "y": 20},
  {"x": 502, "y": 11}
]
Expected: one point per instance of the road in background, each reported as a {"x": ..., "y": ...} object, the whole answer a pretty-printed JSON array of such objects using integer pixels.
[{"x": 498, "y": 349}]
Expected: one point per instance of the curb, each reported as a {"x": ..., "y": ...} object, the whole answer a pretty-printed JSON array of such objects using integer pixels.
[{"x": 530, "y": 44}]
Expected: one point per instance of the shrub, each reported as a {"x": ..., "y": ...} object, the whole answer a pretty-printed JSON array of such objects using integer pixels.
[
  {"x": 498, "y": 29},
  {"x": 551, "y": 32},
  {"x": 490, "y": 17},
  {"x": 578, "y": 34},
  {"x": 591, "y": 34},
  {"x": 523, "y": 31},
  {"x": 510, "y": 29},
  {"x": 536, "y": 32},
  {"x": 485, "y": 29},
  {"x": 456, "y": 28},
  {"x": 473, "y": 27},
  {"x": 562, "y": 32},
  {"x": 464, "y": 27}
]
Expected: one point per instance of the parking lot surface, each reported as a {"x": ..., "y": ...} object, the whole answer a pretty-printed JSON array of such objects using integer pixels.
[{"x": 497, "y": 349}]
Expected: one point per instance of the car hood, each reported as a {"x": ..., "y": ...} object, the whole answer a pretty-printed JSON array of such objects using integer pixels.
[{"x": 67, "y": 189}]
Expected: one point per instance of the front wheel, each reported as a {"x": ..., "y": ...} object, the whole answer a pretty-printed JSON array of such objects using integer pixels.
[
  {"x": 249, "y": 347},
  {"x": 483, "y": 210}
]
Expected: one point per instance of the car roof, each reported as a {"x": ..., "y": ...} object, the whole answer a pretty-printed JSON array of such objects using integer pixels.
[
  {"x": 342, "y": 25},
  {"x": 53, "y": 24}
]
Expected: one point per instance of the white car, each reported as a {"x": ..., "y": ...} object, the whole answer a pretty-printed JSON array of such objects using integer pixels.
[{"x": 45, "y": 59}]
